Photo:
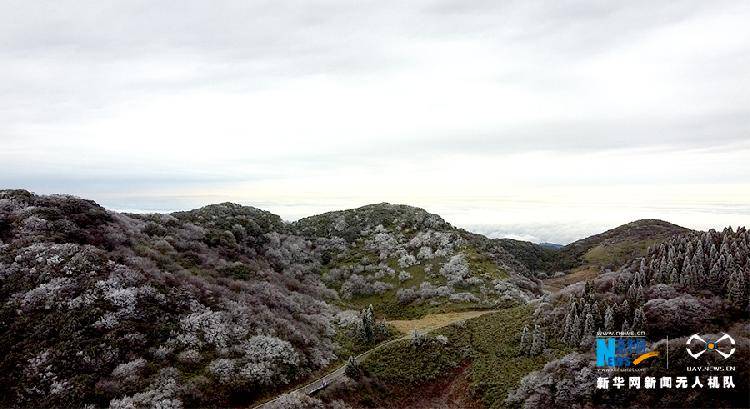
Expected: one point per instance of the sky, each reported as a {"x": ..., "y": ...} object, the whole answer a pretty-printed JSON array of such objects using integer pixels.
[{"x": 538, "y": 120}]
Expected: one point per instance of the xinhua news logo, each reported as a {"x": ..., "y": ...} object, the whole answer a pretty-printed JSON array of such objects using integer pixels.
[{"x": 622, "y": 352}]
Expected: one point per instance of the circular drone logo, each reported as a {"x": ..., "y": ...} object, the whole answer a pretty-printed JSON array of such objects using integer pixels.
[{"x": 708, "y": 346}]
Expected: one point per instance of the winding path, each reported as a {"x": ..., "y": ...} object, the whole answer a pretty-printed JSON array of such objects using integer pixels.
[{"x": 331, "y": 377}]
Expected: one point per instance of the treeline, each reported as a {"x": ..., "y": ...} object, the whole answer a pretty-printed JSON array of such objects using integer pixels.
[{"x": 692, "y": 283}]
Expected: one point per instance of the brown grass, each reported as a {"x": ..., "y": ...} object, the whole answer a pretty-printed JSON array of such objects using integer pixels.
[
  {"x": 581, "y": 274},
  {"x": 434, "y": 321}
]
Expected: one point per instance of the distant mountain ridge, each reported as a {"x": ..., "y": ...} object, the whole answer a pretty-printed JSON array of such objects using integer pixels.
[{"x": 553, "y": 246}]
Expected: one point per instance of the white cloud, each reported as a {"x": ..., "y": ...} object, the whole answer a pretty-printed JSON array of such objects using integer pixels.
[{"x": 534, "y": 109}]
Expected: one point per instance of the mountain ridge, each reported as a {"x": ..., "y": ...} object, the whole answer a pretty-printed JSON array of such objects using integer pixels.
[{"x": 189, "y": 301}]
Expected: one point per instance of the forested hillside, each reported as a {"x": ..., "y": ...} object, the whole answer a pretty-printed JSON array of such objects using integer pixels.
[
  {"x": 693, "y": 283},
  {"x": 407, "y": 262},
  {"x": 216, "y": 306},
  {"x": 196, "y": 308},
  {"x": 228, "y": 305},
  {"x": 542, "y": 355}
]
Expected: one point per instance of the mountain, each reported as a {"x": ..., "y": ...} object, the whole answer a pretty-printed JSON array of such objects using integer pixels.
[
  {"x": 542, "y": 354},
  {"x": 408, "y": 262},
  {"x": 552, "y": 246},
  {"x": 692, "y": 283},
  {"x": 218, "y": 306},
  {"x": 228, "y": 305},
  {"x": 538, "y": 259},
  {"x": 616, "y": 246},
  {"x": 587, "y": 257},
  {"x": 199, "y": 308}
]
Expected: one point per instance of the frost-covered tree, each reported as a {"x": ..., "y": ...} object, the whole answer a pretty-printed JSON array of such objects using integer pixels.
[
  {"x": 589, "y": 326},
  {"x": 625, "y": 326},
  {"x": 576, "y": 329},
  {"x": 525, "y": 344},
  {"x": 638, "y": 319},
  {"x": 609, "y": 319},
  {"x": 456, "y": 269},
  {"x": 737, "y": 290},
  {"x": 538, "y": 341},
  {"x": 674, "y": 276},
  {"x": 368, "y": 324}
]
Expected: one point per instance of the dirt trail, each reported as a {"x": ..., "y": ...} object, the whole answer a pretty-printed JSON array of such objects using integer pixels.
[
  {"x": 433, "y": 321},
  {"x": 424, "y": 325}
]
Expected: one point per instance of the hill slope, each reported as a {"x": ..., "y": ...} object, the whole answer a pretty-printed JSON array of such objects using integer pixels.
[
  {"x": 542, "y": 355},
  {"x": 216, "y": 306},
  {"x": 227, "y": 304},
  {"x": 693, "y": 283},
  {"x": 614, "y": 247},
  {"x": 408, "y": 262},
  {"x": 99, "y": 308}
]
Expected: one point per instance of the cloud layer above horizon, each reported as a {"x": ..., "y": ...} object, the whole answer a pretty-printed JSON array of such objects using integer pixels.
[{"x": 548, "y": 120}]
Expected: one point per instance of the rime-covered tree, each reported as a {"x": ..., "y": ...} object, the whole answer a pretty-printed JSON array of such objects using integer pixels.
[
  {"x": 638, "y": 319},
  {"x": 567, "y": 327},
  {"x": 368, "y": 324},
  {"x": 575, "y": 331},
  {"x": 589, "y": 326},
  {"x": 623, "y": 310},
  {"x": 737, "y": 290},
  {"x": 571, "y": 328},
  {"x": 609, "y": 319},
  {"x": 538, "y": 342},
  {"x": 525, "y": 343},
  {"x": 674, "y": 276}
]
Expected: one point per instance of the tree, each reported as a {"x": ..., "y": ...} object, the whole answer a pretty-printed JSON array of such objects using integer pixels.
[
  {"x": 368, "y": 324},
  {"x": 567, "y": 327},
  {"x": 525, "y": 344},
  {"x": 639, "y": 295},
  {"x": 588, "y": 290},
  {"x": 589, "y": 326},
  {"x": 737, "y": 289},
  {"x": 674, "y": 276},
  {"x": 715, "y": 274},
  {"x": 631, "y": 294},
  {"x": 575, "y": 331},
  {"x": 571, "y": 330},
  {"x": 623, "y": 310},
  {"x": 638, "y": 319},
  {"x": 597, "y": 311},
  {"x": 609, "y": 319},
  {"x": 417, "y": 338},
  {"x": 352, "y": 369},
  {"x": 573, "y": 308},
  {"x": 539, "y": 342}
]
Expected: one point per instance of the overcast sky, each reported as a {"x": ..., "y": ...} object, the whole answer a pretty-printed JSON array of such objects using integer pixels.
[{"x": 546, "y": 121}]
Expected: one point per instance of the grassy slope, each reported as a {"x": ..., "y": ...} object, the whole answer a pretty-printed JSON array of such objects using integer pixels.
[
  {"x": 616, "y": 246},
  {"x": 386, "y": 304},
  {"x": 489, "y": 343},
  {"x": 613, "y": 255},
  {"x": 434, "y": 321}
]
